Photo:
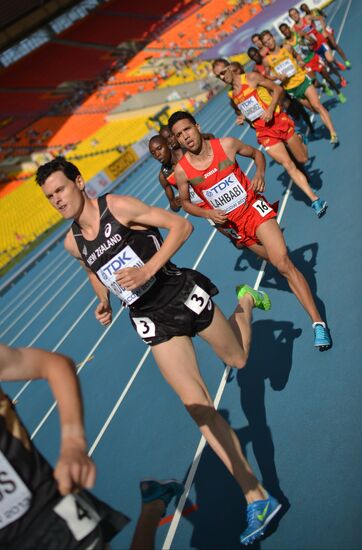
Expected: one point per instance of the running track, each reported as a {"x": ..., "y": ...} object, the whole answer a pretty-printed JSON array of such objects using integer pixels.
[{"x": 297, "y": 412}]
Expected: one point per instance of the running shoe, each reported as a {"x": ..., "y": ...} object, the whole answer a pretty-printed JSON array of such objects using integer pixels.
[
  {"x": 343, "y": 82},
  {"x": 340, "y": 66},
  {"x": 334, "y": 139},
  {"x": 342, "y": 98},
  {"x": 259, "y": 514},
  {"x": 322, "y": 340},
  {"x": 348, "y": 64},
  {"x": 152, "y": 489},
  {"x": 261, "y": 299},
  {"x": 328, "y": 91},
  {"x": 320, "y": 206}
]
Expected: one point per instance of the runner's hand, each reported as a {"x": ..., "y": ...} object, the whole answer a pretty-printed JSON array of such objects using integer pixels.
[
  {"x": 217, "y": 216},
  {"x": 176, "y": 204},
  {"x": 258, "y": 183},
  {"x": 268, "y": 114},
  {"x": 240, "y": 119},
  {"x": 74, "y": 470},
  {"x": 103, "y": 313},
  {"x": 132, "y": 277}
]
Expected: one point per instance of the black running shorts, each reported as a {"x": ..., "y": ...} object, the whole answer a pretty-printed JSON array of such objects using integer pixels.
[
  {"x": 76, "y": 522},
  {"x": 186, "y": 314}
]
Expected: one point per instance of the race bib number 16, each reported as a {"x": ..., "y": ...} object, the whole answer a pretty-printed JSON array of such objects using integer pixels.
[{"x": 261, "y": 207}]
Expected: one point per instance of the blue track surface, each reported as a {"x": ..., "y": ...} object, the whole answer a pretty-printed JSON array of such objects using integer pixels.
[{"x": 297, "y": 412}]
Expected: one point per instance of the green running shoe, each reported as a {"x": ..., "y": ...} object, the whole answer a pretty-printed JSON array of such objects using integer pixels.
[
  {"x": 348, "y": 64},
  {"x": 261, "y": 299},
  {"x": 327, "y": 91},
  {"x": 342, "y": 98}
]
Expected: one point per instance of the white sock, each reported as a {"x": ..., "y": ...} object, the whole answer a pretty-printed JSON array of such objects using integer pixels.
[{"x": 319, "y": 323}]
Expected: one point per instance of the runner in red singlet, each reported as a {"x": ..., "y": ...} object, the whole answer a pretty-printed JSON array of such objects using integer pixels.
[
  {"x": 212, "y": 170},
  {"x": 251, "y": 93}
]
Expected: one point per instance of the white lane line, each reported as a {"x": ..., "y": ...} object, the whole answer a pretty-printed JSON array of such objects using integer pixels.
[
  {"x": 29, "y": 288},
  {"x": 38, "y": 296},
  {"x": 192, "y": 472},
  {"x": 44, "y": 307},
  {"x": 59, "y": 343},
  {"x": 80, "y": 368}
]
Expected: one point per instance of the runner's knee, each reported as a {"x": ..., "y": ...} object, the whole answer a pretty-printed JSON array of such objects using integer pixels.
[{"x": 283, "y": 264}]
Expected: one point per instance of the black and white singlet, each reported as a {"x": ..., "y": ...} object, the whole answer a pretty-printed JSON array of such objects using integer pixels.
[{"x": 116, "y": 247}]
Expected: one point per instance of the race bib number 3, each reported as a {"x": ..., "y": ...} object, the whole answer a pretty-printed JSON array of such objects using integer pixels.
[
  {"x": 197, "y": 299},
  {"x": 227, "y": 194},
  {"x": 80, "y": 517},
  {"x": 251, "y": 108},
  {"x": 145, "y": 327},
  {"x": 262, "y": 208},
  {"x": 15, "y": 497},
  {"x": 286, "y": 67},
  {"x": 126, "y": 258}
]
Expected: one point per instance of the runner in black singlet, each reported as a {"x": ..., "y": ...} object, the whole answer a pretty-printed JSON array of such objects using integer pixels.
[{"x": 116, "y": 239}]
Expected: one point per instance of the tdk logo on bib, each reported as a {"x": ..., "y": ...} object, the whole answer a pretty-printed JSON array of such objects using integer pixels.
[{"x": 227, "y": 194}]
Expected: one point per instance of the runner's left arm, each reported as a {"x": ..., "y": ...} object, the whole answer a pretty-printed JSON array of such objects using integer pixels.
[
  {"x": 276, "y": 91},
  {"x": 74, "y": 468},
  {"x": 135, "y": 213},
  {"x": 233, "y": 147}
]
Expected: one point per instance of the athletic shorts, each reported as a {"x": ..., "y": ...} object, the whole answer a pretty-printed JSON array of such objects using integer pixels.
[
  {"x": 186, "y": 314},
  {"x": 281, "y": 130},
  {"x": 315, "y": 64},
  {"x": 78, "y": 521},
  {"x": 299, "y": 91},
  {"x": 243, "y": 232},
  {"x": 322, "y": 49}
]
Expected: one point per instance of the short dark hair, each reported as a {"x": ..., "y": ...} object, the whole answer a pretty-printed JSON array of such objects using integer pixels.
[
  {"x": 283, "y": 25},
  {"x": 252, "y": 50},
  {"x": 220, "y": 60},
  {"x": 293, "y": 9},
  {"x": 264, "y": 33},
  {"x": 255, "y": 35},
  {"x": 59, "y": 164},
  {"x": 180, "y": 115}
]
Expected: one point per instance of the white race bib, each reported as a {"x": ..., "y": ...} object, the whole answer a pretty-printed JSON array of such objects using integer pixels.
[
  {"x": 251, "y": 108},
  {"x": 197, "y": 300},
  {"x": 80, "y": 517},
  {"x": 126, "y": 258},
  {"x": 286, "y": 67},
  {"x": 261, "y": 207},
  {"x": 194, "y": 198},
  {"x": 145, "y": 327},
  {"x": 227, "y": 194},
  {"x": 15, "y": 497}
]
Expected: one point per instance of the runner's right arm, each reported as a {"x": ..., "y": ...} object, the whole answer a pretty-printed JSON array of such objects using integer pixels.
[
  {"x": 217, "y": 216},
  {"x": 175, "y": 202},
  {"x": 103, "y": 311}
]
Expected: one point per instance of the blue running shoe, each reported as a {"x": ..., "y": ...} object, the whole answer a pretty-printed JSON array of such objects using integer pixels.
[
  {"x": 320, "y": 206},
  {"x": 322, "y": 340},
  {"x": 152, "y": 489},
  {"x": 259, "y": 515}
]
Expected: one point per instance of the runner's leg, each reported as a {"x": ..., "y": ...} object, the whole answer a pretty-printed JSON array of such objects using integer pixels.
[
  {"x": 314, "y": 101},
  {"x": 271, "y": 237},
  {"x": 183, "y": 375}
]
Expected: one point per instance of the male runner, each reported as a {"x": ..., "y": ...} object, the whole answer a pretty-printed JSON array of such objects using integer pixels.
[
  {"x": 116, "y": 239},
  {"x": 212, "y": 170},
  {"x": 319, "y": 21},
  {"x": 257, "y": 98},
  {"x": 256, "y": 40},
  {"x": 291, "y": 105},
  {"x": 310, "y": 61},
  {"x": 306, "y": 28},
  {"x": 40, "y": 508},
  {"x": 45, "y": 509},
  {"x": 294, "y": 80}
]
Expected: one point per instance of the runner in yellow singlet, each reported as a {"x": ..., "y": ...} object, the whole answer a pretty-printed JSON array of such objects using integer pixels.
[{"x": 282, "y": 60}]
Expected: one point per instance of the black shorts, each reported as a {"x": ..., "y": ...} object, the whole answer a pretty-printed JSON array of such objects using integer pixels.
[
  {"x": 75, "y": 522},
  {"x": 186, "y": 314}
]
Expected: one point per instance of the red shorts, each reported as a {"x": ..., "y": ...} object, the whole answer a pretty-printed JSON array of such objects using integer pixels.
[
  {"x": 279, "y": 130},
  {"x": 243, "y": 230},
  {"x": 316, "y": 64}
]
